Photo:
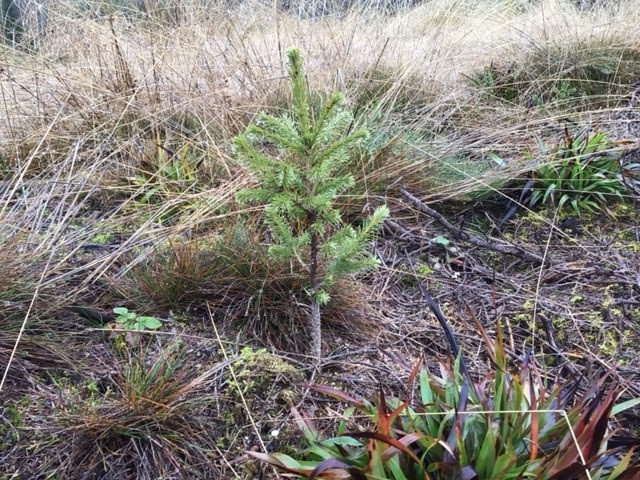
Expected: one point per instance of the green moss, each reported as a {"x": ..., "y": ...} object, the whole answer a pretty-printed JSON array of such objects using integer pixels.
[
  {"x": 12, "y": 420},
  {"x": 424, "y": 269},
  {"x": 535, "y": 220},
  {"x": 627, "y": 340},
  {"x": 102, "y": 238},
  {"x": 560, "y": 327},
  {"x": 595, "y": 319},
  {"x": 526, "y": 316},
  {"x": 257, "y": 371},
  {"x": 623, "y": 211},
  {"x": 609, "y": 343},
  {"x": 608, "y": 298}
]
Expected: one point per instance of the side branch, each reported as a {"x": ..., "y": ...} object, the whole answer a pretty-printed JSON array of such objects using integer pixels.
[{"x": 475, "y": 240}]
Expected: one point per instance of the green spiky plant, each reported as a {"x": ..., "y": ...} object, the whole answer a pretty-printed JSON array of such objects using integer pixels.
[
  {"x": 299, "y": 181},
  {"x": 509, "y": 425},
  {"x": 583, "y": 174}
]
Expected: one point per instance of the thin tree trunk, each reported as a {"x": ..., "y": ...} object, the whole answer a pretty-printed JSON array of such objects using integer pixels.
[
  {"x": 314, "y": 281},
  {"x": 316, "y": 330}
]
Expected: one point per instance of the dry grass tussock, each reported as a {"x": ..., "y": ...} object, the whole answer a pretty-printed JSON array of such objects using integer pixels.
[{"x": 118, "y": 183}]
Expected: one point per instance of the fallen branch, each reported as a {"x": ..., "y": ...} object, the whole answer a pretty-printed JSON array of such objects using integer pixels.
[{"x": 475, "y": 240}]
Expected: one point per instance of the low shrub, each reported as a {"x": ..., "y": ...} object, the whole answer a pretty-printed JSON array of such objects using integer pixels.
[
  {"x": 506, "y": 426},
  {"x": 296, "y": 160}
]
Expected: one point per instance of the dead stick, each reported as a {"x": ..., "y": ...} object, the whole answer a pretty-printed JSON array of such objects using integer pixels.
[{"x": 480, "y": 242}]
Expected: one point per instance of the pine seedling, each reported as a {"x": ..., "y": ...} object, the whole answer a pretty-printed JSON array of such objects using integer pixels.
[{"x": 298, "y": 160}]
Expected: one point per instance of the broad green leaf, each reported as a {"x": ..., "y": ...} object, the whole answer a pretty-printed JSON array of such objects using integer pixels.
[
  {"x": 343, "y": 441},
  {"x": 287, "y": 461},
  {"x": 151, "y": 323},
  {"x": 486, "y": 457}
]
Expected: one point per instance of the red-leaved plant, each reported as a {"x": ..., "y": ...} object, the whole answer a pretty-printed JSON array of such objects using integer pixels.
[{"x": 507, "y": 426}]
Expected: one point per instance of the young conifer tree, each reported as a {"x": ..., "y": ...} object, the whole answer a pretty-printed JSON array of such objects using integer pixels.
[{"x": 299, "y": 179}]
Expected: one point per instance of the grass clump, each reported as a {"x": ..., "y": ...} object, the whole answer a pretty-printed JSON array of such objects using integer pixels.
[
  {"x": 572, "y": 75},
  {"x": 151, "y": 419},
  {"x": 233, "y": 274},
  {"x": 27, "y": 308},
  {"x": 170, "y": 276}
]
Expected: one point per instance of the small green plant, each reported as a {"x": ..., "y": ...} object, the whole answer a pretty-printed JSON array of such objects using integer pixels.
[
  {"x": 297, "y": 167},
  {"x": 582, "y": 173},
  {"x": 132, "y": 321},
  {"x": 168, "y": 171},
  {"x": 564, "y": 90},
  {"x": 507, "y": 426}
]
